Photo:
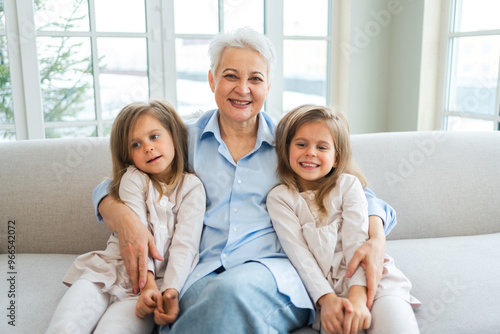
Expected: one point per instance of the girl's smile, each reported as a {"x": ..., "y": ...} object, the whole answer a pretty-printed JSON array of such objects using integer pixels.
[{"x": 312, "y": 154}]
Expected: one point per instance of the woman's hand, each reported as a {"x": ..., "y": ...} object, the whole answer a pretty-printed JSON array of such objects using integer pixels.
[
  {"x": 334, "y": 310},
  {"x": 167, "y": 312},
  {"x": 370, "y": 256},
  {"x": 360, "y": 317},
  {"x": 133, "y": 237}
]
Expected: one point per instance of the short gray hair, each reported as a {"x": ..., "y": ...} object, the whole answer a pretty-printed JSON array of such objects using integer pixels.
[{"x": 242, "y": 38}]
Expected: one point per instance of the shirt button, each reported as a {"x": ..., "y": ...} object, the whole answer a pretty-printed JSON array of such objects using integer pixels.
[
  {"x": 239, "y": 181},
  {"x": 315, "y": 215},
  {"x": 235, "y": 229},
  {"x": 224, "y": 256},
  {"x": 163, "y": 202},
  {"x": 311, "y": 196},
  {"x": 163, "y": 227},
  {"x": 235, "y": 210},
  {"x": 197, "y": 275}
]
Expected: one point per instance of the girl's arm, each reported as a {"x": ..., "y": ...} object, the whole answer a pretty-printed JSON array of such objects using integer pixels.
[
  {"x": 360, "y": 317},
  {"x": 185, "y": 245},
  {"x": 283, "y": 210},
  {"x": 354, "y": 233},
  {"x": 355, "y": 223},
  {"x": 149, "y": 299},
  {"x": 371, "y": 257},
  {"x": 132, "y": 192},
  {"x": 371, "y": 254}
]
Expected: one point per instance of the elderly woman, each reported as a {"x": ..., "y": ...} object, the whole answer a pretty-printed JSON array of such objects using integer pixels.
[{"x": 243, "y": 283}]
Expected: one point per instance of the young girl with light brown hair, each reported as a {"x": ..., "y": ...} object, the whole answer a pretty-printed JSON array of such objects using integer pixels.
[
  {"x": 150, "y": 174},
  {"x": 320, "y": 215}
]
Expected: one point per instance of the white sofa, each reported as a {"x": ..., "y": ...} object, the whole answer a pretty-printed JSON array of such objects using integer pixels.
[{"x": 444, "y": 187}]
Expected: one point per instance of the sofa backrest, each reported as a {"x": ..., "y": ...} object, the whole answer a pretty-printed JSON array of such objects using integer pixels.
[
  {"x": 440, "y": 183},
  {"x": 46, "y": 188}
]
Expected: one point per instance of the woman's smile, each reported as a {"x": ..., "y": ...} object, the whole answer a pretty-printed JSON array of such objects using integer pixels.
[{"x": 240, "y": 85}]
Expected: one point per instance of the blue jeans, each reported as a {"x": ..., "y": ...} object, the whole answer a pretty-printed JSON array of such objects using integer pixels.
[{"x": 243, "y": 299}]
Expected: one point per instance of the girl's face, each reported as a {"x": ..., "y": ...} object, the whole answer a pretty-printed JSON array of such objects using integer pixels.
[
  {"x": 312, "y": 154},
  {"x": 151, "y": 147},
  {"x": 240, "y": 85}
]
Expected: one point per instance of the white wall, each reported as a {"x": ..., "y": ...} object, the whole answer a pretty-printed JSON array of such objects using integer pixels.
[{"x": 384, "y": 66}]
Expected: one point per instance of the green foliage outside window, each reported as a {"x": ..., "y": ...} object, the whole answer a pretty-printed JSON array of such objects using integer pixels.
[{"x": 64, "y": 73}]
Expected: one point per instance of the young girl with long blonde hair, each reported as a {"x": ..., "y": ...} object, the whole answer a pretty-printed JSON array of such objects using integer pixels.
[
  {"x": 320, "y": 215},
  {"x": 150, "y": 174}
]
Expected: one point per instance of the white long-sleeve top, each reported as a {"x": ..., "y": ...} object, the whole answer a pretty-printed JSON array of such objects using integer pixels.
[
  {"x": 176, "y": 222},
  {"x": 320, "y": 246}
]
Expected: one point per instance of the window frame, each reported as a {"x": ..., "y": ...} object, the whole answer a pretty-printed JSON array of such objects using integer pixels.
[
  {"x": 160, "y": 35},
  {"x": 446, "y": 61}
]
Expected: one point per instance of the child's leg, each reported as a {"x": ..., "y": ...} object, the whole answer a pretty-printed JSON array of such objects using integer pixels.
[
  {"x": 120, "y": 318},
  {"x": 80, "y": 309},
  {"x": 392, "y": 314}
]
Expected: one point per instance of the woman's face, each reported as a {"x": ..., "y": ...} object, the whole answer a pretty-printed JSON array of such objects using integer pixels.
[{"x": 240, "y": 85}]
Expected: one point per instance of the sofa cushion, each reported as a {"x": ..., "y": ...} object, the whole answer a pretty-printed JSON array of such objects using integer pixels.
[
  {"x": 454, "y": 278},
  {"x": 46, "y": 187},
  {"x": 38, "y": 289},
  {"x": 440, "y": 183}
]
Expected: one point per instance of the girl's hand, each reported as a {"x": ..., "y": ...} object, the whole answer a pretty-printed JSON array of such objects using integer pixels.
[
  {"x": 334, "y": 310},
  {"x": 360, "y": 318},
  {"x": 168, "y": 310},
  {"x": 148, "y": 301}
]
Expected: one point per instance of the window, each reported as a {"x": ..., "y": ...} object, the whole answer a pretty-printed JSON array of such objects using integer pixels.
[
  {"x": 192, "y": 38},
  {"x": 471, "y": 97},
  {"x": 80, "y": 61},
  {"x": 7, "y": 130},
  {"x": 305, "y": 46}
]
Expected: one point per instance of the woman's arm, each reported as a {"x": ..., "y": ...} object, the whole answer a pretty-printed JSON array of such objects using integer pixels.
[
  {"x": 134, "y": 239},
  {"x": 378, "y": 207}
]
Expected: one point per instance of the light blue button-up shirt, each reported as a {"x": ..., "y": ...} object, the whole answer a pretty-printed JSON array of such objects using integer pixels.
[{"x": 237, "y": 227}]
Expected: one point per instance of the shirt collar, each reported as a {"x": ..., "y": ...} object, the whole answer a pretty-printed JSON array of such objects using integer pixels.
[{"x": 265, "y": 132}]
